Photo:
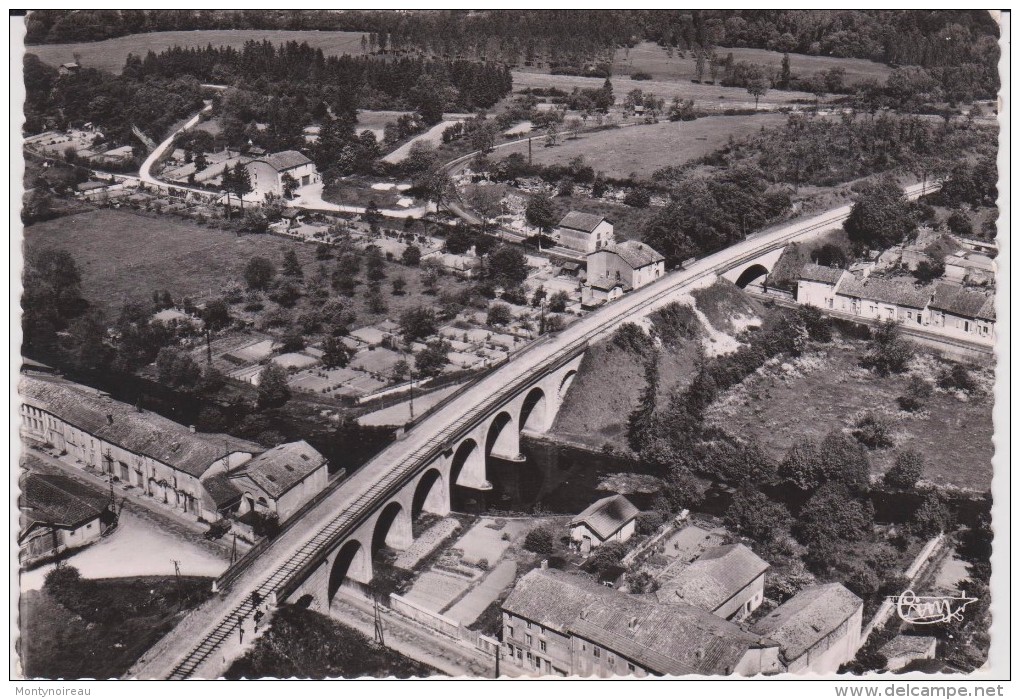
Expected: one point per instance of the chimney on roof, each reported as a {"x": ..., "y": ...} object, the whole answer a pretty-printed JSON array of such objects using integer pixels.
[
  {"x": 109, "y": 418},
  {"x": 632, "y": 625},
  {"x": 191, "y": 428},
  {"x": 544, "y": 564},
  {"x": 584, "y": 614}
]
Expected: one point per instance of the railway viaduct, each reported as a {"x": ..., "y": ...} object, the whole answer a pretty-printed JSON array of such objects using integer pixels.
[{"x": 327, "y": 549}]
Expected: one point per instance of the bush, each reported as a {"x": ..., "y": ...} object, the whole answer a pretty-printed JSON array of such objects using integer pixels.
[
  {"x": 640, "y": 75},
  {"x": 638, "y": 197},
  {"x": 607, "y": 556},
  {"x": 957, "y": 378},
  {"x": 918, "y": 392},
  {"x": 539, "y": 541},
  {"x": 906, "y": 471},
  {"x": 649, "y": 522},
  {"x": 873, "y": 432}
]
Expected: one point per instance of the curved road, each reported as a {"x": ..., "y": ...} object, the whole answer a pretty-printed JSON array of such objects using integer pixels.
[{"x": 194, "y": 647}]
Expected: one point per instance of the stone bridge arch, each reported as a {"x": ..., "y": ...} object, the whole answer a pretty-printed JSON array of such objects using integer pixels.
[
  {"x": 351, "y": 567},
  {"x": 752, "y": 273},
  {"x": 431, "y": 494},
  {"x": 534, "y": 411},
  {"x": 392, "y": 528}
]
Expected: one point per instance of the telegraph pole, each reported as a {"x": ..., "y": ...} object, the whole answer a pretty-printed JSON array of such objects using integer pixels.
[
  {"x": 497, "y": 661},
  {"x": 177, "y": 576},
  {"x": 379, "y": 636}
]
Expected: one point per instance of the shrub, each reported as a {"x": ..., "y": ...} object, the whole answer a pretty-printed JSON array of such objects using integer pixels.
[
  {"x": 957, "y": 377},
  {"x": 607, "y": 556},
  {"x": 638, "y": 197},
  {"x": 873, "y": 432},
  {"x": 539, "y": 541},
  {"x": 905, "y": 472},
  {"x": 918, "y": 392},
  {"x": 649, "y": 522}
]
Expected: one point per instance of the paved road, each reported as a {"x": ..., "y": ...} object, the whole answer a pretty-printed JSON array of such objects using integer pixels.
[{"x": 342, "y": 510}]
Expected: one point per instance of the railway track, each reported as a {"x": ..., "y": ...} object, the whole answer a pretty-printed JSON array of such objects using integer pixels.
[{"x": 310, "y": 554}]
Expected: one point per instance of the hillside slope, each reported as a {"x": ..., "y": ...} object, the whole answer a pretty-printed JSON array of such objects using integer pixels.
[{"x": 612, "y": 378}]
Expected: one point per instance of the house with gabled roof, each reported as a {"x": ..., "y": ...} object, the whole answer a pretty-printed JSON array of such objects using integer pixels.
[
  {"x": 280, "y": 480},
  {"x": 728, "y": 581},
  {"x": 584, "y": 232},
  {"x": 818, "y": 630},
  {"x": 267, "y": 173},
  {"x": 58, "y": 514},
  {"x": 609, "y": 519},
  {"x": 632, "y": 262},
  {"x": 963, "y": 313}
]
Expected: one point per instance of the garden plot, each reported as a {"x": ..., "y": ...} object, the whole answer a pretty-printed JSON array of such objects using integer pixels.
[
  {"x": 295, "y": 360},
  {"x": 379, "y": 361},
  {"x": 425, "y": 543},
  {"x": 435, "y": 590},
  {"x": 467, "y": 609},
  {"x": 361, "y": 385}
]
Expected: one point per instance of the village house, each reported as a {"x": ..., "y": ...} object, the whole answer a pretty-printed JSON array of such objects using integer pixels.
[
  {"x": 943, "y": 308},
  {"x": 601, "y": 290},
  {"x": 68, "y": 68},
  {"x": 818, "y": 630},
  {"x": 59, "y": 514},
  {"x": 280, "y": 480},
  {"x": 905, "y": 649},
  {"x": 972, "y": 268},
  {"x": 606, "y": 520},
  {"x": 267, "y": 173},
  {"x": 989, "y": 248},
  {"x": 727, "y": 581},
  {"x": 632, "y": 262},
  {"x": 963, "y": 313},
  {"x": 163, "y": 459},
  {"x": 555, "y": 623},
  {"x": 584, "y": 232}
]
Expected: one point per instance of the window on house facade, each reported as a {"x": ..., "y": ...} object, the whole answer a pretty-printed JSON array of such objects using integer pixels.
[
  {"x": 596, "y": 651},
  {"x": 527, "y": 639},
  {"x": 541, "y": 645},
  {"x": 510, "y": 631},
  {"x": 631, "y": 668}
]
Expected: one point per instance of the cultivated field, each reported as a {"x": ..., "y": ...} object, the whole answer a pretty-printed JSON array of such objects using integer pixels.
[
  {"x": 652, "y": 59},
  {"x": 712, "y": 97},
  {"x": 641, "y": 150},
  {"x": 124, "y": 257},
  {"x": 953, "y": 434},
  {"x": 111, "y": 54},
  {"x": 376, "y": 120}
]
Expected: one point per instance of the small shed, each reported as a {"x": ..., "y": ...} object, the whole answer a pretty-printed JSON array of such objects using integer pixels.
[
  {"x": 906, "y": 648},
  {"x": 608, "y": 519}
]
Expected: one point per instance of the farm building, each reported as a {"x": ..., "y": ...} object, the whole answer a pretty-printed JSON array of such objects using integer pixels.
[
  {"x": 608, "y": 519},
  {"x": 58, "y": 514},
  {"x": 818, "y": 630},
  {"x": 267, "y": 173},
  {"x": 904, "y": 649},
  {"x": 727, "y": 581},
  {"x": 164, "y": 459},
  {"x": 584, "y": 232},
  {"x": 555, "y": 623},
  {"x": 599, "y": 290},
  {"x": 631, "y": 262},
  {"x": 280, "y": 480},
  {"x": 963, "y": 313},
  {"x": 974, "y": 268},
  {"x": 817, "y": 285}
]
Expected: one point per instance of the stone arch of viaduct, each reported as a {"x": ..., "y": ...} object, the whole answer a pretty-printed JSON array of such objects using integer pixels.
[{"x": 462, "y": 464}]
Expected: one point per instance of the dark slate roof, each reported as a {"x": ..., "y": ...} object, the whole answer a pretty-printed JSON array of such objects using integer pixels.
[
  {"x": 278, "y": 470},
  {"x": 581, "y": 221},
  {"x": 634, "y": 253},
  {"x": 555, "y": 599},
  {"x": 907, "y": 645},
  {"x": 670, "y": 640},
  {"x": 607, "y": 283},
  {"x": 141, "y": 432},
  {"x": 286, "y": 160},
  {"x": 959, "y": 301},
  {"x": 221, "y": 490},
  {"x": 607, "y": 515},
  {"x": 808, "y": 617},
  {"x": 899, "y": 292},
  {"x": 818, "y": 273},
  {"x": 713, "y": 578},
  {"x": 60, "y": 501}
]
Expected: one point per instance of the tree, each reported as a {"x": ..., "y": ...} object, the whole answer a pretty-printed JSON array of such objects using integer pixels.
[
  {"x": 273, "y": 390},
  {"x": 177, "y": 369},
  {"x": 931, "y": 517},
  {"x": 834, "y": 516},
  {"x": 417, "y": 323},
  {"x": 259, "y": 273},
  {"x": 918, "y": 392},
  {"x": 411, "y": 255},
  {"x": 539, "y": 540},
  {"x": 216, "y": 315},
  {"x": 906, "y": 471},
  {"x": 240, "y": 182},
  {"x": 335, "y": 353},
  {"x": 815, "y": 323},
  {"x": 888, "y": 353},
  {"x": 376, "y": 302},
  {"x": 507, "y": 266},
  {"x": 558, "y": 302},
  {"x": 399, "y": 284},
  {"x": 757, "y": 89},
  {"x": 488, "y": 202},
  {"x": 498, "y": 315},
  {"x": 431, "y": 360},
  {"x": 291, "y": 265},
  {"x": 289, "y": 184},
  {"x": 436, "y": 186},
  {"x": 957, "y": 378},
  {"x": 784, "y": 72},
  {"x": 881, "y": 217},
  {"x": 372, "y": 216},
  {"x": 753, "y": 515},
  {"x": 928, "y": 271},
  {"x": 873, "y": 432},
  {"x": 607, "y": 557}
]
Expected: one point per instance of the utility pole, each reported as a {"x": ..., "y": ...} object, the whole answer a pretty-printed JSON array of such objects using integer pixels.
[
  {"x": 379, "y": 637},
  {"x": 208, "y": 347},
  {"x": 177, "y": 575},
  {"x": 410, "y": 373},
  {"x": 233, "y": 551},
  {"x": 497, "y": 661},
  {"x": 529, "y": 150}
]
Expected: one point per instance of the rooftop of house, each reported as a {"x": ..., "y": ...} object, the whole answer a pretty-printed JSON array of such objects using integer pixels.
[
  {"x": 819, "y": 273},
  {"x": 890, "y": 291},
  {"x": 607, "y": 515},
  {"x": 667, "y": 639},
  {"x": 634, "y": 253},
  {"x": 713, "y": 578},
  {"x": 52, "y": 499},
  {"x": 278, "y": 470},
  {"x": 581, "y": 221},
  {"x": 974, "y": 261},
  {"x": 960, "y": 301},
  {"x": 286, "y": 160},
  {"x": 221, "y": 490},
  {"x": 808, "y": 617},
  {"x": 554, "y": 599},
  {"x": 139, "y": 431},
  {"x": 605, "y": 284},
  {"x": 907, "y": 645}
]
